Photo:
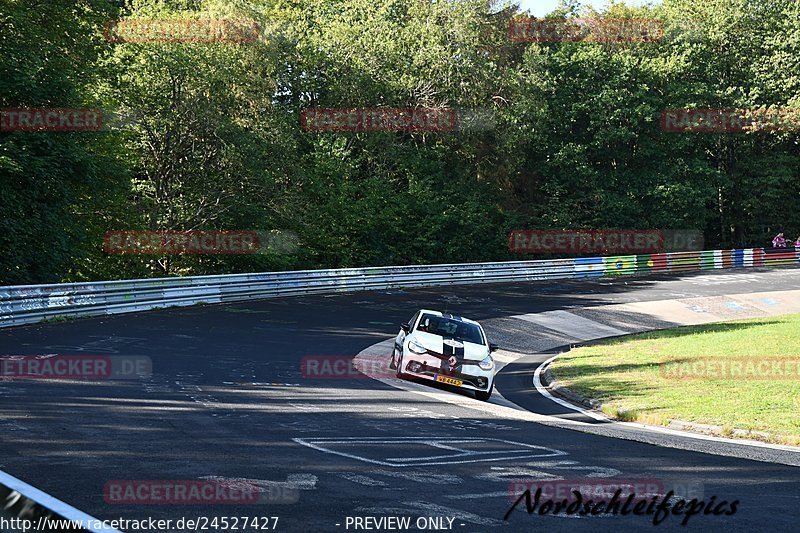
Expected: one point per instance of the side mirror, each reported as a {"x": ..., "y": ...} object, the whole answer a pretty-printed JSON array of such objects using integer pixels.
[
  {"x": 493, "y": 347},
  {"x": 405, "y": 327}
]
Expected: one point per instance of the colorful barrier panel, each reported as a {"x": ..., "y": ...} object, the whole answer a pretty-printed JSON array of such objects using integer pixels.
[
  {"x": 620, "y": 265},
  {"x": 685, "y": 261},
  {"x": 589, "y": 267}
]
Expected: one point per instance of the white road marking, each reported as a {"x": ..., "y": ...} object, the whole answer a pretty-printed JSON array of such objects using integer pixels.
[
  {"x": 414, "y": 412},
  {"x": 362, "y": 480},
  {"x": 293, "y": 481},
  {"x": 380, "y": 511},
  {"x": 595, "y": 471},
  {"x": 522, "y": 450},
  {"x": 530, "y": 471},
  {"x": 426, "y": 478},
  {"x": 537, "y": 382},
  {"x": 503, "y": 493},
  {"x": 720, "y": 279},
  {"x": 303, "y": 481},
  {"x": 455, "y": 513},
  {"x": 508, "y": 474}
]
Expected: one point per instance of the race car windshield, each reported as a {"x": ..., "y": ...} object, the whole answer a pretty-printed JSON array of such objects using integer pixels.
[{"x": 446, "y": 327}]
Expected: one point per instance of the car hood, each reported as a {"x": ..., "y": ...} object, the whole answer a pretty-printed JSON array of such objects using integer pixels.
[{"x": 436, "y": 343}]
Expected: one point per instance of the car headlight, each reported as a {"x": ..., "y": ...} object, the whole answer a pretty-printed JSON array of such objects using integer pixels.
[
  {"x": 487, "y": 363},
  {"x": 416, "y": 347}
]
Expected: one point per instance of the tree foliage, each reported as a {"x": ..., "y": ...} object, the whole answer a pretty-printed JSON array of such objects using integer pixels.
[{"x": 553, "y": 135}]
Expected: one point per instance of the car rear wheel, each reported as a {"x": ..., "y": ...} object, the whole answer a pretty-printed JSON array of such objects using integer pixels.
[{"x": 484, "y": 396}]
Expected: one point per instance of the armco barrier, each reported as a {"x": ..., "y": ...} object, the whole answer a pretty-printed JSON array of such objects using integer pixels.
[{"x": 26, "y": 304}]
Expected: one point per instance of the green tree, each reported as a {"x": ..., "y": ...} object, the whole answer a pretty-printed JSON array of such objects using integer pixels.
[{"x": 54, "y": 186}]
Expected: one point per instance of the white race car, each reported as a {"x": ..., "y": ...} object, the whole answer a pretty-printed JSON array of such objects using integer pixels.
[{"x": 445, "y": 348}]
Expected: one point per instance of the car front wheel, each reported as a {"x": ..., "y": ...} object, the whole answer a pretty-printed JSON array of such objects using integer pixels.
[
  {"x": 484, "y": 396},
  {"x": 400, "y": 365}
]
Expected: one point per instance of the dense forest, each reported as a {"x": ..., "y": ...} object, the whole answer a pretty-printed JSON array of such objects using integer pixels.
[{"x": 554, "y": 134}]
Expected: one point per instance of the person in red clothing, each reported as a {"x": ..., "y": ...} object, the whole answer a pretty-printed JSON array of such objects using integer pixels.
[{"x": 779, "y": 241}]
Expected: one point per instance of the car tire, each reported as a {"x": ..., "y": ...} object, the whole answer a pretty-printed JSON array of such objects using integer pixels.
[
  {"x": 400, "y": 365},
  {"x": 484, "y": 396},
  {"x": 393, "y": 362}
]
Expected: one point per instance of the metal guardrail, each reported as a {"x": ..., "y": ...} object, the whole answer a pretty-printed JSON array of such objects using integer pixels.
[{"x": 27, "y": 304}]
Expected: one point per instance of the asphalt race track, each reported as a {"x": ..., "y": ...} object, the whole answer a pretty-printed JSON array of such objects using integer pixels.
[{"x": 227, "y": 399}]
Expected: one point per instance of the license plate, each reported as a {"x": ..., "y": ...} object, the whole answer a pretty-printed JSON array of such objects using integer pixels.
[{"x": 449, "y": 381}]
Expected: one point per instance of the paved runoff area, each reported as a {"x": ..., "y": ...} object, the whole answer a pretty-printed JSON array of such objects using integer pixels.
[{"x": 251, "y": 417}]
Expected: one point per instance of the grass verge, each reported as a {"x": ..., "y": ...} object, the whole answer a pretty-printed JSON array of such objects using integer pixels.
[{"x": 654, "y": 377}]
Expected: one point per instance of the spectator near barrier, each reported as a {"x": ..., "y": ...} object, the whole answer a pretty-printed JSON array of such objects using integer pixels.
[{"x": 783, "y": 252}]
